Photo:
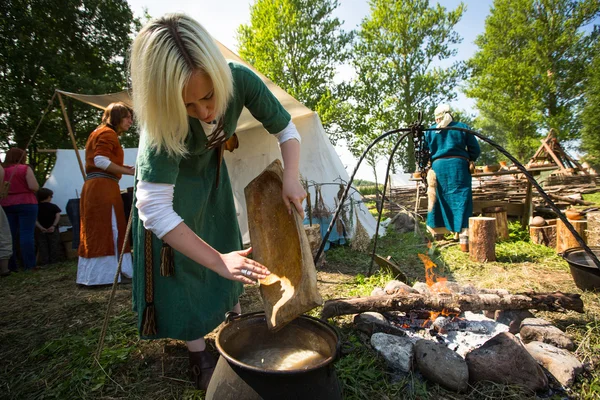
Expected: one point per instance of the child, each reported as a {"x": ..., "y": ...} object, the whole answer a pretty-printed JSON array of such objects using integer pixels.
[{"x": 48, "y": 240}]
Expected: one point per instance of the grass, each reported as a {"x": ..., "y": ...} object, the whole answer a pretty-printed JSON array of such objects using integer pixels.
[
  {"x": 50, "y": 328},
  {"x": 593, "y": 197}
]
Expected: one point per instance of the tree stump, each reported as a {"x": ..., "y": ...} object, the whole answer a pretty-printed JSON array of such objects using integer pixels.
[
  {"x": 499, "y": 213},
  {"x": 593, "y": 228},
  {"x": 564, "y": 239},
  {"x": 545, "y": 235},
  {"x": 482, "y": 239}
]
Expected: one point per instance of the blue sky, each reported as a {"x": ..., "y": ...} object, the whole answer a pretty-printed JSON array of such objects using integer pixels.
[{"x": 223, "y": 17}]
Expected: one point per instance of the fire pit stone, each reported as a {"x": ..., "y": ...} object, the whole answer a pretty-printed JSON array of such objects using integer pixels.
[
  {"x": 540, "y": 330},
  {"x": 395, "y": 286},
  {"x": 441, "y": 365},
  {"x": 563, "y": 365},
  {"x": 422, "y": 288},
  {"x": 503, "y": 359},
  {"x": 397, "y": 351}
]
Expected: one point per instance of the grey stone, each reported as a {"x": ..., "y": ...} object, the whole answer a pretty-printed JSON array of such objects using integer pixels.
[
  {"x": 445, "y": 287},
  {"x": 512, "y": 318},
  {"x": 503, "y": 359},
  {"x": 441, "y": 365},
  {"x": 562, "y": 364},
  {"x": 397, "y": 351},
  {"x": 403, "y": 222},
  {"x": 422, "y": 288},
  {"x": 395, "y": 286},
  {"x": 540, "y": 330},
  {"x": 469, "y": 289}
]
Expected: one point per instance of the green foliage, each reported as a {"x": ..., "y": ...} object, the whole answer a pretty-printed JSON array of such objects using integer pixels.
[
  {"x": 529, "y": 72},
  {"x": 364, "y": 285},
  {"x": 590, "y": 133},
  {"x": 371, "y": 189},
  {"x": 516, "y": 232},
  {"x": 73, "y": 356},
  {"x": 394, "y": 56},
  {"x": 298, "y": 44},
  {"x": 593, "y": 197},
  {"x": 363, "y": 376},
  {"x": 77, "y": 46}
]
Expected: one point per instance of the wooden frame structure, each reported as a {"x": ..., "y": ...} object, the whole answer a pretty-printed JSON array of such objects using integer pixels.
[{"x": 552, "y": 151}]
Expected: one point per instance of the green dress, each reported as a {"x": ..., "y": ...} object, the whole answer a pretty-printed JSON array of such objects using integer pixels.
[{"x": 193, "y": 301}]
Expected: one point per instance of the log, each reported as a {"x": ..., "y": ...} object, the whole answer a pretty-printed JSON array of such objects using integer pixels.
[
  {"x": 570, "y": 200},
  {"x": 499, "y": 213},
  {"x": 545, "y": 235},
  {"x": 565, "y": 239},
  {"x": 556, "y": 301},
  {"x": 593, "y": 228},
  {"x": 482, "y": 239}
]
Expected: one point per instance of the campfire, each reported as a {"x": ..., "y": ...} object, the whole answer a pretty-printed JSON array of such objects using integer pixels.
[{"x": 455, "y": 335}]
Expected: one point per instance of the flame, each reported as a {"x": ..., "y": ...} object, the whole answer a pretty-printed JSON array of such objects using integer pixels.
[{"x": 430, "y": 277}]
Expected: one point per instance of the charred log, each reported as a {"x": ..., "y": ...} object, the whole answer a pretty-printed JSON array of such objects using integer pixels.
[{"x": 556, "y": 301}]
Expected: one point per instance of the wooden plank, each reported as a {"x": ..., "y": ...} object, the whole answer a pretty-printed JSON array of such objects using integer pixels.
[
  {"x": 527, "y": 207},
  {"x": 512, "y": 209},
  {"x": 554, "y": 157}
]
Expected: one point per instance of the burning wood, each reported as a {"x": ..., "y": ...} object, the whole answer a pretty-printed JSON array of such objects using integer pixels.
[{"x": 455, "y": 303}]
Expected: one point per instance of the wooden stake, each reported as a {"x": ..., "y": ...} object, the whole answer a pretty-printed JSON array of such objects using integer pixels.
[
  {"x": 499, "y": 214},
  {"x": 482, "y": 239},
  {"x": 545, "y": 235},
  {"x": 564, "y": 239},
  {"x": 64, "y": 111}
]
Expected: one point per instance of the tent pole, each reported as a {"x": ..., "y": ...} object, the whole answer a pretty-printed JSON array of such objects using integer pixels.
[{"x": 64, "y": 111}]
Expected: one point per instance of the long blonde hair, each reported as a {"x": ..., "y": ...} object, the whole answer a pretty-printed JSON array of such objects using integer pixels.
[{"x": 163, "y": 57}]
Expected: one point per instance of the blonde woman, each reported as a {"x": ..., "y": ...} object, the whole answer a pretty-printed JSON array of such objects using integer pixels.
[
  {"x": 187, "y": 99},
  {"x": 101, "y": 207}
]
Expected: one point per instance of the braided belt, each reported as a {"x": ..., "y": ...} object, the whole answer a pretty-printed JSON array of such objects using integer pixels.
[{"x": 94, "y": 175}]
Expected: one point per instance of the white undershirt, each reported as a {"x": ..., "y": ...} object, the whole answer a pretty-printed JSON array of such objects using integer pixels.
[
  {"x": 155, "y": 200},
  {"x": 101, "y": 162}
]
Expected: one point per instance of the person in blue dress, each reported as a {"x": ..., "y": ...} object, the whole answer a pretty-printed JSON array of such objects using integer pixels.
[{"x": 449, "y": 180}]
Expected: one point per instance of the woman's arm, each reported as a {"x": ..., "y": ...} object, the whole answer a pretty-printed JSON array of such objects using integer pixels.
[
  {"x": 473, "y": 147},
  {"x": 117, "y": 169},
  {"x": 155, "y": 209},
  {"x": 229, "y": 265},
  {"x": 31, "y": 181},
  {"x": 292, "y": 192},
  {"x": 104, "y": 163}
]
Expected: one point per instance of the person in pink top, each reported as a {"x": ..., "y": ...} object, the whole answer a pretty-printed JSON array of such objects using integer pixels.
[{"x": 21, "y": 207}]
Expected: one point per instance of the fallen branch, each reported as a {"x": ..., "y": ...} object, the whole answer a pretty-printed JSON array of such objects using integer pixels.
[
  {"x": 557, "y": 301},
  {"x": 570, "y": 200}
]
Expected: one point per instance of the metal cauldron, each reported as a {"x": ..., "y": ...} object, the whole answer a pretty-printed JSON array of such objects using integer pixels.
[
  {"x": 236, "y": 380},
  {"x": 585, "y": 273}
]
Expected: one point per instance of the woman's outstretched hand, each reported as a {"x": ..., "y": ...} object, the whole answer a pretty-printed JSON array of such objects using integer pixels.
[
  {"x": 293, "y": 194},
  {"x": 237, "y": 267}
]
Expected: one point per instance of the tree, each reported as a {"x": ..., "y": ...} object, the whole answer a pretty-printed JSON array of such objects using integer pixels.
[
  {"x": 298, "y": 45},
  {"x": 590, "y": 133},
  {"x": 75, "y": 45},
  {"x": 529, "y": 72},
  {"x": 398, "y": 58}
]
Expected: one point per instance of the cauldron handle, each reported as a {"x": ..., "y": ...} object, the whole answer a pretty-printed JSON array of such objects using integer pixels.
[{"x": 230, "y": 316}]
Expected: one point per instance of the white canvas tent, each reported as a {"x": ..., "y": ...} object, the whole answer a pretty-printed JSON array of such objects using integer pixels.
[{"x": 319, "y": 161}]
